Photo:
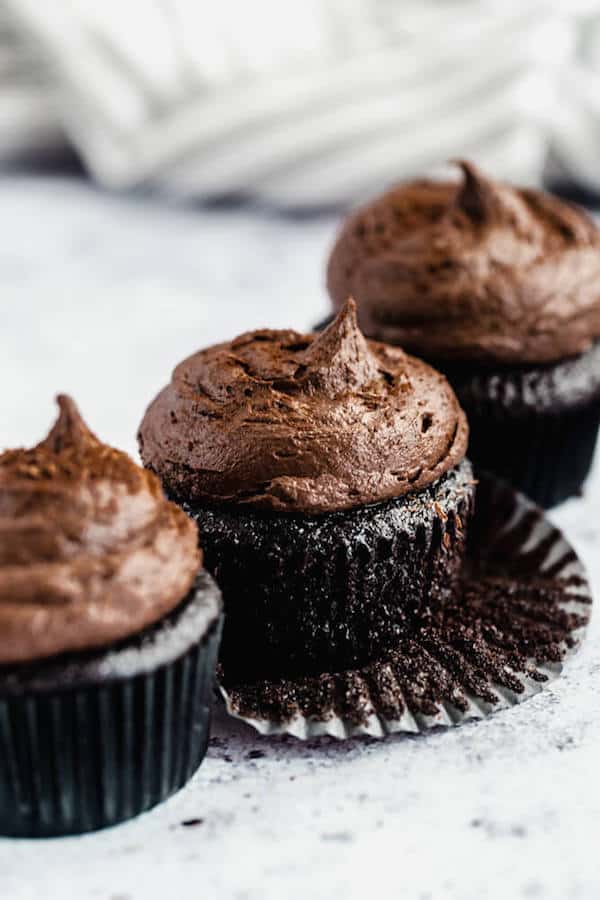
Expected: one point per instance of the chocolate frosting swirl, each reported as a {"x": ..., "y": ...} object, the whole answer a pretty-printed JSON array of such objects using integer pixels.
[
  {"x": 476, "y": 271},
  {"x": 302, "y": 423},
  {"x": 90, "y": 549}
]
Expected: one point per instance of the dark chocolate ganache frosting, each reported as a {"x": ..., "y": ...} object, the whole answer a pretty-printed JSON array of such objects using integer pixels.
[
  {"x": 90, "y": 549},
  {"x": 473, "y": 271},
  {"x": 302, "y": 422}
]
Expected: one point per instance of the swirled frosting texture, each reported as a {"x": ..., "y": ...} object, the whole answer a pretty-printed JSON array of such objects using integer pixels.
[
  {"x": 302, "y": 423},
  {"x": 90, "y": 550},
  {"x": 476, "y": 271}
]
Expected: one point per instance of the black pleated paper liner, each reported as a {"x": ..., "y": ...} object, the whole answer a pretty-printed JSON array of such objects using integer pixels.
[
  {"x": 312, "y": 592},
  {"x": 535, "y": 426},
  {"x": 546, "y": 455},
  {"x": 521, "y": 611},
  {"x": 95, "y": 739}
]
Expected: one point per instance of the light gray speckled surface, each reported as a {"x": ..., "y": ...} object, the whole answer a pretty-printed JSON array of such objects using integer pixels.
[{"x": 101, "y": 297}]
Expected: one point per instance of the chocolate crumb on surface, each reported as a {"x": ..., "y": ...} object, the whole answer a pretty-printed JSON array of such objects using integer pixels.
[{"x": 522, "y": 603}]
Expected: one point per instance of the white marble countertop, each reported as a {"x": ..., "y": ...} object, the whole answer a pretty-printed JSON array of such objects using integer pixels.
[{"x": 101, "y": 296}]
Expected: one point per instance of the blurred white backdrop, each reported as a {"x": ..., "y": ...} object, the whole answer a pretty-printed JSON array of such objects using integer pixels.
[{"x": 304, "y": 104}]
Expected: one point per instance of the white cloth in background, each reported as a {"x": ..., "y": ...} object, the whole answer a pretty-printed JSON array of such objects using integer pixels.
[
  {"x": 317, "y": 102},
  {"x": 28, "y": 118}
]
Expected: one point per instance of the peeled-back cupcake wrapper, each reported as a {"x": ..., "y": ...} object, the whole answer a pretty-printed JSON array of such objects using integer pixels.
[
  {"x": 547, "y": 456},
  {"x": 90, "y": 755},
  {"x": 485, "y": 653}
]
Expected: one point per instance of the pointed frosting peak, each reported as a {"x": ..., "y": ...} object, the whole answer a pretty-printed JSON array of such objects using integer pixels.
[
  {"x": 72, "y": 452},
  {"x": 480, "y": 270},
  {"x": 486, "y": 202},
  {"x": 295, "y": 422},
  {"x": 91, "y": 551},
  {"x": 339, "y": 358},
  {"x": 478, "y": 197},
  {"x": 69, "y": 430}
]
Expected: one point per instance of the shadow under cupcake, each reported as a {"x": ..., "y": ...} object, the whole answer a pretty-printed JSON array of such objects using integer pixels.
[
  {"x": 109, "y": 632},
  {"x": 499, "y": 288}
]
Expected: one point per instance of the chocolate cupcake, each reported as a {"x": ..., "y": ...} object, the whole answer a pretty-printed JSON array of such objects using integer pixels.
[
  {"x": 328, "y": 479},
  {"x": 109, "y": 631},
  {"x": 499, "y": 288}
]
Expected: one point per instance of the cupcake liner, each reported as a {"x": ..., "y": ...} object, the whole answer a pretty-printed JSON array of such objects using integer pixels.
[
  {"x": 547, "y": 456},
  {"x": 306, "y": 591},
  {"x": 522, "y": 608},
  {"x": 93, "y": 742}
]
